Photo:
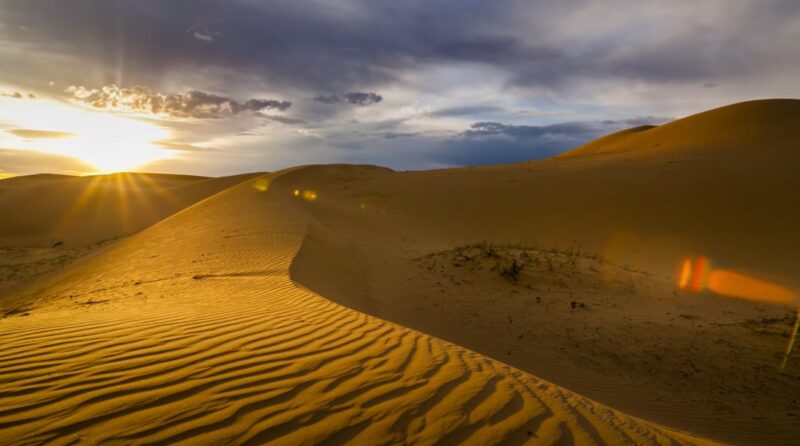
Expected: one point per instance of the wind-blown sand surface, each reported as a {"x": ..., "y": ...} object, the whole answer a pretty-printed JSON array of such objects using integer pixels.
[
  {"x": 193, "y": 331},
  {"x": 216, "y": 321}
]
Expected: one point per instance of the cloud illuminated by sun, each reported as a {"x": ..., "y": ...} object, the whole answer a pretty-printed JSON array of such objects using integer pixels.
[{"x": 106, "y": 141}]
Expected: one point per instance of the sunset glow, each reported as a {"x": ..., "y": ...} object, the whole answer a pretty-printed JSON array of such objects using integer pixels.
[{"x": 105, "y": 141}]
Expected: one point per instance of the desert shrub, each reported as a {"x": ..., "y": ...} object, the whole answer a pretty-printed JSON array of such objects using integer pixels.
[{"x": 512, "y": 270}]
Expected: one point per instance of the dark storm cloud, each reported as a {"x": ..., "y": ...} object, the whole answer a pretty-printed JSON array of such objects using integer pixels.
[
  {"x": 495, "y": 142},
  {"x": 283, "y": 119},
  {"x": 334, "y": 46},
  {"x": 362, "y": 99},
  {"x": 326, "y": 46},
  {"x": 329, "y": 99},
  {"x": 354, "y": 98},
  {"x": 482, "y": 143},
  {"x": 194, "y": 104},
  {"x": 494, "y": 129},
  {"x": 636, "y": 122}
]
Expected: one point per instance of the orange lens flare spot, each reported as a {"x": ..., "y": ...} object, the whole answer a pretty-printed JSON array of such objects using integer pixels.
[
  {"x": 699, "y": 274},
  {"x": 296, "y": 192},
  {"x": 686, "y": 274},
  {"x": 745, "y": 287}
]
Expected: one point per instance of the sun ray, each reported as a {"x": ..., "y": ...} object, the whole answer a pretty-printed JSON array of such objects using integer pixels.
[
  {"x": 122, "y": 184},
  {"x": 86, "y": 195},
  {"x": 160, "y": 190}
]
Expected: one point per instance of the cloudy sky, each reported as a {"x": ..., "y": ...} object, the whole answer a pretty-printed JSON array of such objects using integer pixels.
[{"x": 222, "y": 87}]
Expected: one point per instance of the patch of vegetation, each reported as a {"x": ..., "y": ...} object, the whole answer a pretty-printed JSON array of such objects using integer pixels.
[
  {"x": 511, "y": 271},
  {"x": 529, "y": 265}
]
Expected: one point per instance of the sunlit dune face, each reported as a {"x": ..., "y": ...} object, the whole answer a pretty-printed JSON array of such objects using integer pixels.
[{"x": 108, "y": 142}]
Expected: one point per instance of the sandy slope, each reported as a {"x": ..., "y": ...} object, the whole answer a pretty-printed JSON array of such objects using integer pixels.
[
  {"x": 193, "y": 331},
  {"x": 51, "y": 220},
  {"x": 701, "y": 362},
  {"x": 751, "y": 126}
]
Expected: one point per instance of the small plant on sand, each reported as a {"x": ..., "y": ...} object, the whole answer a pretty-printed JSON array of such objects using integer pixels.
[{"x": 512, "y": 270}]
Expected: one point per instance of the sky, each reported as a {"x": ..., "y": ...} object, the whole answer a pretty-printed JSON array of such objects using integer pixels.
[{"x": 223, "y": 87}]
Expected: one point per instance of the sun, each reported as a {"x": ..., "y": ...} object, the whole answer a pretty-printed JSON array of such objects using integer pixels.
[
  {"x": 113, "y": 144},
  {"x": 105, "y": 141}
]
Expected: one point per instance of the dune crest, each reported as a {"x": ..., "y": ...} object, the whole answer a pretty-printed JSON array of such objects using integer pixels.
[{"x": 767, "y": 124}]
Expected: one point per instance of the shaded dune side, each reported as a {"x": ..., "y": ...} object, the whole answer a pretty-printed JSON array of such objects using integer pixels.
[{"x": 205, "y": 338}]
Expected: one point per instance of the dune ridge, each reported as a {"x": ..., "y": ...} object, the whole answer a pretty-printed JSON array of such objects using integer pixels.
[
  {"x": 765, "y": 124},
  {"x": 201, "y": 335}
]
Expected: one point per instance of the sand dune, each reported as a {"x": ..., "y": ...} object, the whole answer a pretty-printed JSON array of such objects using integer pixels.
[
  {"x": 50, "y": 221},
  {"x": 702, "y": 362},
  {"x": 763, "y": 125},
  {"x": 216, "y": 324},
  {"x": 192, "y": 331}
]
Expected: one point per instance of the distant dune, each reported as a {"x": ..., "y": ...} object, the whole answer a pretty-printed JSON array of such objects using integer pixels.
[
  {"x": 83, "y": 210},
  {"x": 216, "y": 324},
  {"x": 749, "y": 126},
  {"x": 51, "y": 220}
]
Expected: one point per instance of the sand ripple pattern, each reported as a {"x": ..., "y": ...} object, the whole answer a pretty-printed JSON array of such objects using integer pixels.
[{"x": 231, "y": 351}]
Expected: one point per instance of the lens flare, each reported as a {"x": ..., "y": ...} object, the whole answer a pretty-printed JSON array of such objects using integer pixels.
[
  {"x": 698, "y": 275},
  {"x": 686, "y": 274},
  {"x": 738, "y": 285},
  {"x": 261, "y": 184},
  {"x": 309, "y": 195}
]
